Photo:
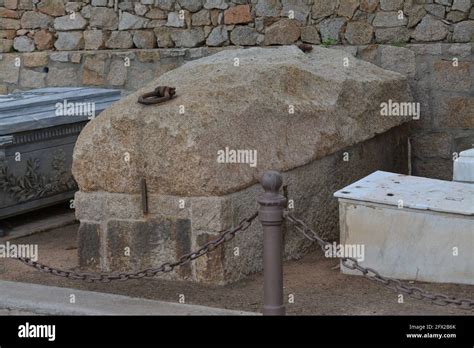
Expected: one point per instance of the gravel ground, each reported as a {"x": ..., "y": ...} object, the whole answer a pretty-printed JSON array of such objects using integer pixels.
[{"x": 317, "y": 285}]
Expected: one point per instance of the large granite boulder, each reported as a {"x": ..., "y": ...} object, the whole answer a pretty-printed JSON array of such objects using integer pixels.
[{"x": 291, "y": 107}]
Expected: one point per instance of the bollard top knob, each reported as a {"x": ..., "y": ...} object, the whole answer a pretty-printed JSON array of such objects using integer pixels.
[{"x": 271, "y": 181}]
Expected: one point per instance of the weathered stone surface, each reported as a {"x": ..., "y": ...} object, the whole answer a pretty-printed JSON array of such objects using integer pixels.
[
  {"x": 103, "y": 18},
  {"x": 219, "y": 4},
  {"x": 331, "y": 28},
  {"x": 456, "y": 16},
  {"x": 323, "y": 8},
  {"x": 464, "y": 32},
  {"x": 218, "y": 36},
  {"x": 32, "y": 79},
  {"x": 59, "y": 57},
  {"x": 399, "y": 59},
  {"x": 452, "y": 78},
  {"x": 283, "y": 32},
  {"x": 296, "y": 9},
  {"x": 165, "y": 4},
  {"x": 336, "y": 108},
  {"x": 94, "y": 70},
  {"x": 244, "y": 36},
  {"x": 68, "y": 23},
  {"x": 33, "y": 20},
  {"x": 460, "y": 50},
  {"x": 148, "y": 56},
  {"x": 211, "y": 214},
  {"x": 430, "y": 29},
  {"x": 119, "y": 39},
  {"x": 415, "y": 12},
  {"x": 433, "y": 144},
  {"x": 191, "y": 5},
  {"x": 216, "y": 17},
  {"x": 11, "y": 4},
  {"x": 359, "y": 33},
  {"x": 9, "y": 70},
  {"x": 129, "y": 21},
  {"x": 201, "y": 18},
  {"x": 392, "y": 35},
  {"x": 76, "y": 57},
  {"x": 238, "y": 14},
  {"x": 310, "y": 34},
  {"x": 62, "y": 77},
  {"x": 188, "y": 38},
  {"x": 102, "y": 3},
  {"x": 69, "y": 41},
  {"x": 453, "y": 112},
  {"x": 368, "y": 53},
  {"x": 140, "y": 9},
  {"x": 391, "y": 5},
  {"x": 23, "y": 44},
  {"x": 163, "y": 37},
  {"x": 156, "y": 13},
  {"x": 94, "y": 39},
  {"x": 462, "y": 5},
  {"x": 9, "y": 23},
  {"x": 34, "y": 60},
  {"x": 73, "y": 7},
  {"x": 6, "y": 13},
  {"x": 52, "y": 7},
  {"x": 117, "y": 73},
  {"x": 389, "y": 19},
  {"x": 26, "y": 5},
  {"x": 175, "y": 20},
  {"x": 369, "y": 5},
  {"x": 435, "y": 168},
  {"x": 436, "y": 10},
  {"x": 347, "y": 8},
  {"x": 88, "y": 243},
  {"x": 268, "y": 8},
  {"x": 144, "y": 39}
]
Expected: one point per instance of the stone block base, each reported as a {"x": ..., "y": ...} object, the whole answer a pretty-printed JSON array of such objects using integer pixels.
[{"x": 115, "y": 235}]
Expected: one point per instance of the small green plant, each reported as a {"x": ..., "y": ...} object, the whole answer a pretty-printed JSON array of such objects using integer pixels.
[
  {"x": 329, "y": 42},
  {"x": 399, "y": 44}
]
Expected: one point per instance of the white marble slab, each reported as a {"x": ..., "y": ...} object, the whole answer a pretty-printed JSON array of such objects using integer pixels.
[{"x": 413, "y": 192}]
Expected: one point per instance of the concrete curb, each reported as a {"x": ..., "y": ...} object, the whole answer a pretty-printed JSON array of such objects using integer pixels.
[{"x": 51, "y": 300}]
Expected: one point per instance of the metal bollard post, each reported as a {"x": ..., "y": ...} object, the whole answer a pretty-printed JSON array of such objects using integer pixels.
[{"x": 272, "y": 204}]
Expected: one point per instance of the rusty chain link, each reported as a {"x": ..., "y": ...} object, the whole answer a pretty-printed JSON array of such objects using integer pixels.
[
  {"x": 372, "y": 274},
  {"x": 225, "y": 236}
]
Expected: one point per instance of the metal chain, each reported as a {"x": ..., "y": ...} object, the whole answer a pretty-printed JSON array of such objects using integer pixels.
[
  {"x": 225, "y": 236},
  {"x": 371, "y": 274}
]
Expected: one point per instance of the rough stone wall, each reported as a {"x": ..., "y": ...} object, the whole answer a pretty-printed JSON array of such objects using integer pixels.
[
  {"x": 28, "y": 25},
  {"x": 95, "y": 47}
]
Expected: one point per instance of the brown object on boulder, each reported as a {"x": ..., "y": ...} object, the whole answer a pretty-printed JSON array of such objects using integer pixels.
[
  {"x": 305, "y": 47},
  {"x": 159, "y": 95}
]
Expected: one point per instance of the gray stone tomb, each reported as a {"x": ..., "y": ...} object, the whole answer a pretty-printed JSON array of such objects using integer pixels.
[
  {"x": 302, "y": 114},
  {"x": 36, "y": 144}
]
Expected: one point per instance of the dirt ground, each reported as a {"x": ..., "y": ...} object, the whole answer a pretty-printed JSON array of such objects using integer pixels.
[{"x": 317, "y": 285}]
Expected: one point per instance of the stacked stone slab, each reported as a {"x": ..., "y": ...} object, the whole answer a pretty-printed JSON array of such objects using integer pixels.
[
  {"x": 29, "y": 25},
  {"x": 305, "y": 115}
]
